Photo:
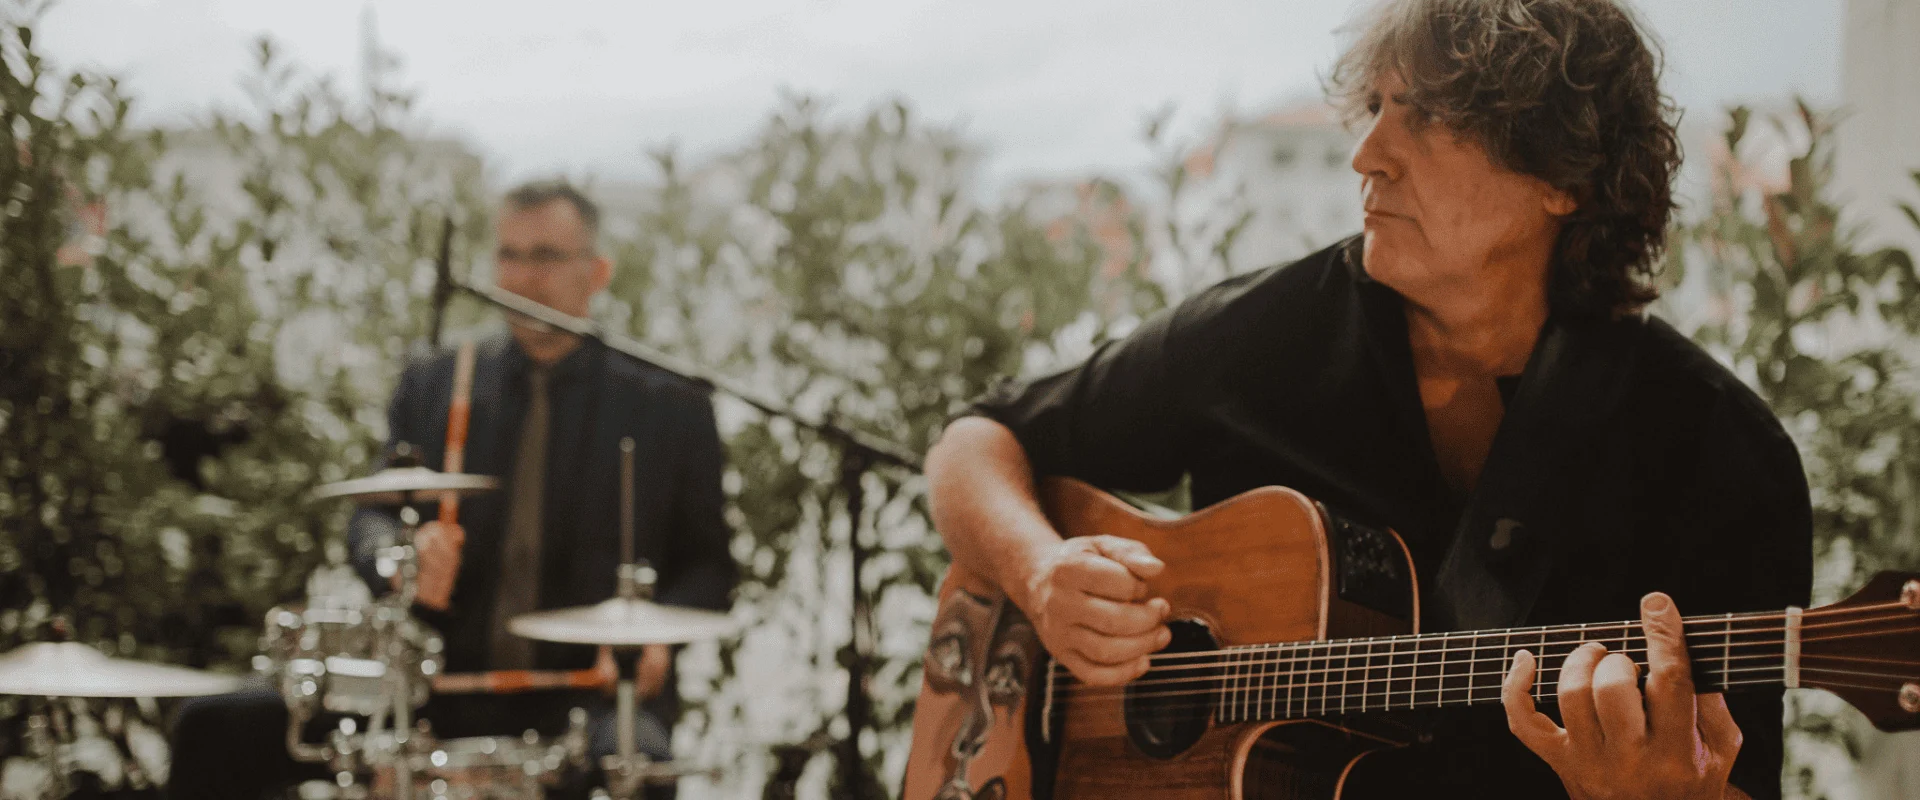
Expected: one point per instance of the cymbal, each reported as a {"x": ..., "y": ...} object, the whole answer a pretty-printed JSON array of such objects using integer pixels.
[
  {"x": 390, "y": 487},
  {"x": 621, "y": 623},
  {"x": 71, "y": 669}
]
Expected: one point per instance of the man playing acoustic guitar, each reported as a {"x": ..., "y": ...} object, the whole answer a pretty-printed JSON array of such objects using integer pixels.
[{"x": 1475, "y": 372}]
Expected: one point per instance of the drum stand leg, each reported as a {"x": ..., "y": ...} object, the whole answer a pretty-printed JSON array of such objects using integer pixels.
[
  {"x": 626, "y": 769},
  {"x": 43, "y": 735},
  {"x": 398, "y": 679}
]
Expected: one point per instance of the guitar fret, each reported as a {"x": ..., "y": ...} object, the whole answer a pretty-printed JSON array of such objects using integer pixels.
[
  {"x": 1506, "y": 655},
  {"x": 1475, "y": 677},
  {"x": 1316, "y": 676},
  {"x": 1250, "y": 702},
  {"x": 1346, "y": 669},
  {"x": 1366, "y": 661},
  {"x": 1386, "y": 676},
  {"x": 1257, "y": 702},
  {"x": 1220, "y": 712},
  {"x": 1240, "y": 687},
  {"x": 1326, "y": 677},
  {"x": 1275, "y": 709},
  {"x": 1540, "y": 669},
  {"x": 1280, "y": 681},
  {"x": 1251, "y": 660},
  {"x": 1250, "y": 657},
  {"x": 1295, "y": 686},
  {"x": 1225, "y": 712},
  {"x": 1230, "y": 685},
  {"x": 1250, "y": 688},
  {"x": 1727, "y": 649},
  {"x": 1359, "y": 696},
  {"x": 1274, "y": 657},
  {"x": 1260, "y": 705},
  {"x": 1366, "y": 676},
  {"x": 1415, "y": 657}
]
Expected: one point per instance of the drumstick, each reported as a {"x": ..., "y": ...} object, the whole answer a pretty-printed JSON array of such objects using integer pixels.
[
  {"x": 458, "y": 412},
  {"x": 513, "y": 681}
]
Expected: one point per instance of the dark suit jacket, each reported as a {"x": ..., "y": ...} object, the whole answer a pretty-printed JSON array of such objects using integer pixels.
[{"x": 597, "y": 396}]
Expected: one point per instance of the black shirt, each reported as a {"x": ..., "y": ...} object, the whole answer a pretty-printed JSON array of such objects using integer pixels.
[{"x": 1627, "y": 461}]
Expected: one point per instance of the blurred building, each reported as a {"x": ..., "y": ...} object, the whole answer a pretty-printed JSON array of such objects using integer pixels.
[
  {"x": 1098, "y": 208},
  {"x": 1279, "y": 184},
  {"x": 1293, "y": 168},
  {"x": 1879, "y": 138}
]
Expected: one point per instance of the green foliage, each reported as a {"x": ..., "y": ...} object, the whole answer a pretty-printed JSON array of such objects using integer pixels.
[
  {"x": 849, "y": 267},
  {"x": 1826, "y": 332},
  {"x": 199, "y": 326}
]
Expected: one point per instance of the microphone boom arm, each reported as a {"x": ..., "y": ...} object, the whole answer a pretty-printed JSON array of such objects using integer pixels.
[{"x": 875, "y": 447}]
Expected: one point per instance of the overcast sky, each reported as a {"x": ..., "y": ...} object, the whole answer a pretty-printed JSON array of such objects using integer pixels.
[{"x": 1051, "y": 87}]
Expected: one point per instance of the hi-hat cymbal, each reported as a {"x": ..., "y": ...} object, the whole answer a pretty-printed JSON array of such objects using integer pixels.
[
  {"x": 71, "y": 669},
  {"x": 622, "y": 623},
  {"x": 391, "y": 486}
]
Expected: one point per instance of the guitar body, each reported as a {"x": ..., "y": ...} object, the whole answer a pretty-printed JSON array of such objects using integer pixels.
[{"x": 1266, "y": 566}]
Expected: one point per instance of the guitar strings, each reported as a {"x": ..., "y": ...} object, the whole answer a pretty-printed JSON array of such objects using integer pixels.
[
  {"x": 1578, "y": 629},
  {"x": 1241, "y": 669},
  {"x": 1236, "y": 691},
  {"x": 1325, "y": 666},
  {"x": 1253, "y": 694},
  {"x": 1479, "y": 695},
  {"x": 1328, "y": 682},
  {"x": 1261, "y": 687},
  {"x": 1237, "y": 656},
  {"x": 1266, "y": 682}
]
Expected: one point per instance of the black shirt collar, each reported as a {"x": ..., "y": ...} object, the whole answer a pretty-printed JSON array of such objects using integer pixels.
[{"x": 571, "y": 366}]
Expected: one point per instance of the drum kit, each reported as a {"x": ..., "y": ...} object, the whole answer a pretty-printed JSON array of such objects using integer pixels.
[{"x": 376, "y": 665}]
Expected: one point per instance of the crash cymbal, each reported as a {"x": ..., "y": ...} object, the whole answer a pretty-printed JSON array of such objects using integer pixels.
[
  {"x": 71, "y": 669},
  {"x": 390, "y": 487},
  {"x": 619, "y": 623}
]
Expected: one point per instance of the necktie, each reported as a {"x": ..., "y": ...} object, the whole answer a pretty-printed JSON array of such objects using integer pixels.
[{"x": 519, "y": 586}]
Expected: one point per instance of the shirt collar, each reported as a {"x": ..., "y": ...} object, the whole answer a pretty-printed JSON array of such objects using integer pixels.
[{"x": 573, "y": 364}]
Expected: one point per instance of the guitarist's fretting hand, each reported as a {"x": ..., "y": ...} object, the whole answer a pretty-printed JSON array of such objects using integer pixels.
[
  {"x": 1088, "y": 600},
  {"x": 1618, "y": 744}
]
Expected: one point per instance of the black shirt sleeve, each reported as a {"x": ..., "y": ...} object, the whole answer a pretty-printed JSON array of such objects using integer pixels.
[{"x": 1115, "y": 421}]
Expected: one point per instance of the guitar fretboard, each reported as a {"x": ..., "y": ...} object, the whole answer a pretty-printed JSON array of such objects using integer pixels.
[{"x": 1330, "y": 678}]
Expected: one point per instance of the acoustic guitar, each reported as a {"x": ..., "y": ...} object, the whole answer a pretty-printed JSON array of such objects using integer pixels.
[{"x": 1293, "y": 628}]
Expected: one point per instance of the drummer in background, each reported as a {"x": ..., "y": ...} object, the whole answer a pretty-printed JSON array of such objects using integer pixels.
[{"x": 548, "y": 412}]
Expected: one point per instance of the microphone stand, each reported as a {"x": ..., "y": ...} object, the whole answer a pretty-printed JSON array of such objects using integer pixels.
[
  {"x": 442, "y": 283},
  {"x": 859, "y": 452}
]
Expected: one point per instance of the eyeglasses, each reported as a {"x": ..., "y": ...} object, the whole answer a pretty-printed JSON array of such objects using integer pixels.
[{"x": 538, "y": 258}]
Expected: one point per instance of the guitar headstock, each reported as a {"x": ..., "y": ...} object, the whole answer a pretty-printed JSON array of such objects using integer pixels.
[{"x": 1866, "y": 649}]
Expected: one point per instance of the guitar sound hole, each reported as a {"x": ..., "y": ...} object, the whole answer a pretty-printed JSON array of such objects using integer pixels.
[{"x": 1168, "y": 708}]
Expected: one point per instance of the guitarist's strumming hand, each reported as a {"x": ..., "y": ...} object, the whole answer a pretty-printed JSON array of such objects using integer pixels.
[
  {"x": 1087, "y": 598},
  {"x": 1619, "y": 744}
]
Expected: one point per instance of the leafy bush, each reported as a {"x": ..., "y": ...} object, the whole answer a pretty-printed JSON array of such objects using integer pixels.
[{"x": 1772, "y": 282}]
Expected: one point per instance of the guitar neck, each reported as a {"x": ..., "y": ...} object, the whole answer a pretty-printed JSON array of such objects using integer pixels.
[{"x": 1295, "y": 680}]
